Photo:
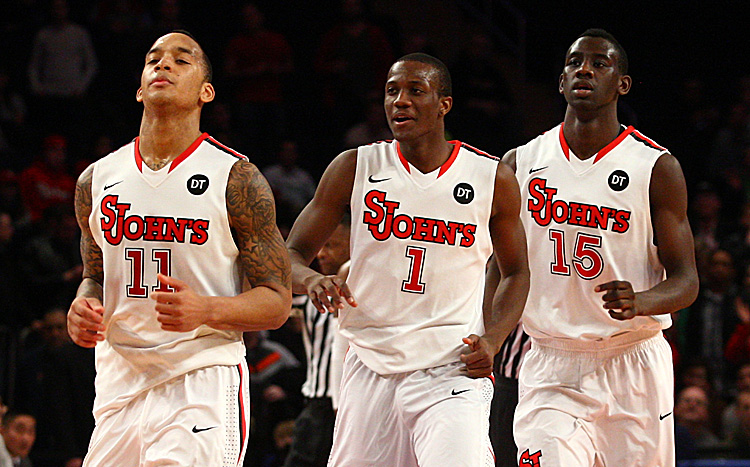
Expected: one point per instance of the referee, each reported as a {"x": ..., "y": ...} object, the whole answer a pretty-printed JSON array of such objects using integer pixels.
[
  {"x": 313, "y": 429},
  {"x": 505, "y": 369}
]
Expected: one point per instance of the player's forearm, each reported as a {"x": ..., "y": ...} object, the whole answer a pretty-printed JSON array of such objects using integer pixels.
[
  {"x": 91, "y": 289},
  {"x": 507, "y": 305},
  {"x": 260, "y": 308},
  {"x": 301, "y": 273},
  {"x": 673, "y": 294}
]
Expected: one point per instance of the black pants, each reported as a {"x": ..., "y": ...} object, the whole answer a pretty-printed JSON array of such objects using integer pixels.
[
  {"x": 502, "y": 409},
  {"x": 313, "y": 434}
]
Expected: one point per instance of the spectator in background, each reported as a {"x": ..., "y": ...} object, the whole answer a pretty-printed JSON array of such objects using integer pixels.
[
  {"x": 729, "y": 418},
  {"x": 14, "y": 309},
  {"x": 48, "y": 181},
  {"x": 52, "y": 260},
  {"x": 275, "y": 383},
  {"x": 705, "y": 209},
  {"x": 256, "y": 63},
  {"x": 61, "y": 69},
  {"x": 740, "y": 437},
  {"x": 485, "y": 112},
  {"x": 691, "y": 412},
  {"x": 18, "y": 432},
  {"x": 709, "y": 322},
  {"x": 293, "y": 187},
  {"x": 56, "y": 382},
  {"x": 373, "y": 128},
  {"x": 737, "y": 350},
  {"x": 11, "y": 200},
  {"x": 12, "y": 121},
  {"x": 353, "y": 60}
]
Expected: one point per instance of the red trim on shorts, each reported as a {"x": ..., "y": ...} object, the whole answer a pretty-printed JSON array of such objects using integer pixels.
[{"x": 243, "y": 422}]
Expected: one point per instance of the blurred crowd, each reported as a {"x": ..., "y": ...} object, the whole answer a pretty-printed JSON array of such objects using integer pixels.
[{"x": 298, "y": 82}]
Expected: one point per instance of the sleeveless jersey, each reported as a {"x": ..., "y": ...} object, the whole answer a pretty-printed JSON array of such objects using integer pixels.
[
  {"x": 172, "y": 221},
  {"x": 587, "y": 223},
  {"x": 418, "y": 253}
]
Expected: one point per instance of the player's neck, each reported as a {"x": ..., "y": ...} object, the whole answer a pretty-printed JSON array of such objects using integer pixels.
[
  {"x": 587, "y": 136},
  {"x": 426, "y": 154},
  {"x": 161, "y": 140}
]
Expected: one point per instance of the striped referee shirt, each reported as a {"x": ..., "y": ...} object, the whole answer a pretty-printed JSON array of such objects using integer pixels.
[
  {"x": 508, "y": 360},
  {"x": 317, "y": 335}
]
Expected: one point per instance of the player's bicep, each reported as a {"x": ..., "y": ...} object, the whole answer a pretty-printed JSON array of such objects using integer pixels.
[
  {"x": 673, "y": 236},
  {"x": 91, "y": 254},
  {"x": 506, "y": 229},
  {"x": 321, "y": 216},
  {"x": 252, "y": 215}
]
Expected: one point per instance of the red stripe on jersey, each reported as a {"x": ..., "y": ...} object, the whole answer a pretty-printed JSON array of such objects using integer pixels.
[
  {"x": 403, "y": 160},
  {"x": 654, "y": 145},
  {"x": 613, "y": 144},
  {"x": 228, "y": 149},
  {"x": 563, "y": 143},
  {"x": 451, "y": 159},
  {"x": 138, "y": 158},
  {"x": 186, "y": 153},
  {"x": 265, "y": 363},
  {"x": 603, "y": 152}
]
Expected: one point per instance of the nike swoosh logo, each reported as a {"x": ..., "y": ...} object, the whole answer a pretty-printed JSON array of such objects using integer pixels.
[
  {"x": 377, "y": 180},
  {"x": 531, "y": 171},
  {"x": 198, "y": 430},
  {"x": 107, "y": 187},
  {"x": 662, "y": 417},
  {"x": 455, "y": 393}
]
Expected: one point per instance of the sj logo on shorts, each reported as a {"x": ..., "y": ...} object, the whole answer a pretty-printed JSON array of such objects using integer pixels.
[{"x": 530, "y": 460}]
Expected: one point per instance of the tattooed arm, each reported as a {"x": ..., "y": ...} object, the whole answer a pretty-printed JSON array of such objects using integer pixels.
[
  {"x": 266, "y": 298},
  {"x": 86, "y": 313}
]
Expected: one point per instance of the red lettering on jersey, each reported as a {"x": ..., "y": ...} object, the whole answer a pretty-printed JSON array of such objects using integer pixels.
[
  {"x": 200, "y": 232},
  {"x": 115, "y": 225},
  {"x": 530, "y": 460},
  {"x": 382, "y": 222},
  {"x": 544, "y": 209}
]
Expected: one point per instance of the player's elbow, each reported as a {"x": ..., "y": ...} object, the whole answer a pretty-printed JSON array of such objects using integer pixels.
[{"x": 281, "y": 311}]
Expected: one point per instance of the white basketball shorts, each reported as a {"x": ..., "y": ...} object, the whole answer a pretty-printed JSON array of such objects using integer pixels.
[
  {"x": 428, "y": 418},
  {"x": 198, "y": 419},
  {"x": 610, "y": 406}
]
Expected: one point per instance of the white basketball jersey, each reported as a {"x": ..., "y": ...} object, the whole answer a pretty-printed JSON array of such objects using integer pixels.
[
  {"x": 587, "y": 223},
  {"x": 419, "y": 246},
  {"x": 172, "y": 221}
]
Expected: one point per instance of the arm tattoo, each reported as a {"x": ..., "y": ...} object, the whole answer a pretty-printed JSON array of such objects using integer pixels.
[
  {"x": 263, "y": 256},
  {"x": 91, "y": 254}
]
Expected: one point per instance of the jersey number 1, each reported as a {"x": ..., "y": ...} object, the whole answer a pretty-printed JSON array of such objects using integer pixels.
[
  {"x": 414, "y": 282},
  {"x": 162, "y": 258}
]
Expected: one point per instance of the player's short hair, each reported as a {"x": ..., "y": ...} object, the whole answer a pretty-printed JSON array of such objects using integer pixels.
[
  {"x": 208, "y": 70},
  {"x": 445, "y": 85},
  {"x": 622, "y": 56}
]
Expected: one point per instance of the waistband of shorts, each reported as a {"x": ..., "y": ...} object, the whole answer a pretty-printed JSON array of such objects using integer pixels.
[{"x": 603, "y": 348}]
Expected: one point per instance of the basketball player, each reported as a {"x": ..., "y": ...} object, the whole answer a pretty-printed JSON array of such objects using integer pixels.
[
  {"x": 605, "y": 210},
  {"x": 181, "y": 255},
  {"x": 426, "y": 216}
]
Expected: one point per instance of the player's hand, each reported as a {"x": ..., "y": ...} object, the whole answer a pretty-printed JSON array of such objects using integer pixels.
[
  {"x": 479, "y": 360},
  {"x": 618, "y": 295},
  {"x": 86, "y": 321},
  {"x": 181, "y": 310},
  {"x": 328, "y": 293}
]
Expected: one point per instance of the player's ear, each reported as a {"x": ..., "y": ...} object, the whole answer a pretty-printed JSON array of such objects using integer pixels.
[
  {"x": 446, "y": 104},
  {"x": 560, "y": 84},
  {"x": 208, "y": 93},
  {"x": 626, "y": 82},
  {"x": 139, "y": 95}
]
